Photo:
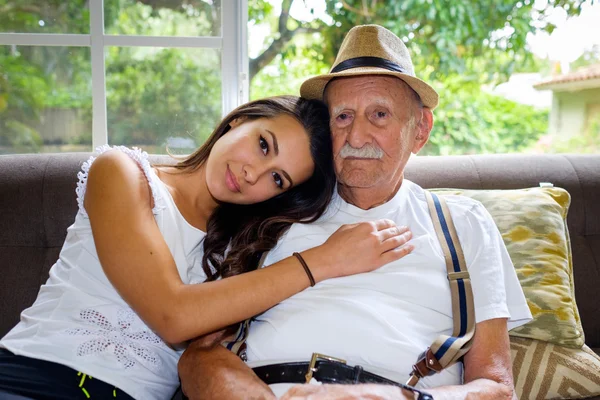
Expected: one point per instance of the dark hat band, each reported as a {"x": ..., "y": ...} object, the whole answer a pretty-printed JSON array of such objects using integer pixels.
[{"x": 367, "y": 62}]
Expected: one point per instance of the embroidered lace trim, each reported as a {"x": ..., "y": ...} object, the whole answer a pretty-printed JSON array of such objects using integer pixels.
[
  {"x": 139, "y": 156},
  {"x": 129, "y": 339}
]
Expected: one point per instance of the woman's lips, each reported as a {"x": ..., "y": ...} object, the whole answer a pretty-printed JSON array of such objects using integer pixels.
[{"x": 231, "y": 181}]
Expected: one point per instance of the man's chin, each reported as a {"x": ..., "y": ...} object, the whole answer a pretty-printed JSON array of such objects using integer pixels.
[{"x": 355, "y": 182}]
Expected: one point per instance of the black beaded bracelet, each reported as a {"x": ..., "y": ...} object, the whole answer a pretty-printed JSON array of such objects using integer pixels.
[{"x": 310, "y": 275}]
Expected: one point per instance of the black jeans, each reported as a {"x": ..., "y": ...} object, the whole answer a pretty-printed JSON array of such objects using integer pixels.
[{"x": 24, "y": 378}]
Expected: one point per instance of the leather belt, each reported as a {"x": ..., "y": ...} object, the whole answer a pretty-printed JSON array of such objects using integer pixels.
[
  {"x": 325, "y": 369},
  {"x": 326, "y": 372}
]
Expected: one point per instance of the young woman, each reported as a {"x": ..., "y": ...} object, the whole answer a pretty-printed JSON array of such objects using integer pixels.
[{"x": 108, "y": 321}]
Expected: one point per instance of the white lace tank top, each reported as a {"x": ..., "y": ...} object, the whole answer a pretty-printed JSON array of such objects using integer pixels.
[{"x": 79, "y": 320}]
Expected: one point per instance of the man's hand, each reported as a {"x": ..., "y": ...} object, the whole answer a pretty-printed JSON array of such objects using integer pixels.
[
  {"x": 209, "y": 371},
  {"x": 346, "y": 392},
  {"x": 480, "y": 389}
]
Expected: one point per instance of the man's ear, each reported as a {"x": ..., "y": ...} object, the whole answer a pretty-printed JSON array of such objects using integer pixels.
[
  {"x": 423, "y": 129},
  {"x": 237, "y": 122}
]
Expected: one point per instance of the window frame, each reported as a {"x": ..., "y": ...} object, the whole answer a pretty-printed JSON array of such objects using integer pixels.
[{"x": 233, "y": 44}]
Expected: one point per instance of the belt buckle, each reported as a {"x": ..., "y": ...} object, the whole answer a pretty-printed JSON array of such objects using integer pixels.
[{"x": 313, "y": 361}]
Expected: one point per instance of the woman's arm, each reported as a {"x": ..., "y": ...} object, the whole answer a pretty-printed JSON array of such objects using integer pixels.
[{"x": 139, "y": 264}]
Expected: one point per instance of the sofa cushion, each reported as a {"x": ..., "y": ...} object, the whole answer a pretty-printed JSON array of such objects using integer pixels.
[
  {"x": 533, "y": 225},
  {"x": 542, "y": 370}
]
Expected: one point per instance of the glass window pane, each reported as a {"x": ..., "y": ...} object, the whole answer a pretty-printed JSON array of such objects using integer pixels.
[
  {"x": 45, "y": 99},
  {"x": 162, "y": 18},
  {"x": 159, "y": 97},
  {"x": 49, "y": 16}
]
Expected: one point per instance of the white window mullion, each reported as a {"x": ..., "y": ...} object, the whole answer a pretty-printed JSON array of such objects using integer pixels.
[
  {"x": 163, "y": 41},
  {"x": 99, "y": 115},
  {"x": 234, "y": 54},
  {"x": 44, "y": 39},
  {"x": 242, "y": 33}
]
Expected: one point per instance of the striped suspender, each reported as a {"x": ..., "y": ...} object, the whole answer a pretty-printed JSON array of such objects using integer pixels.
[
  {"x": 446, "y": 350},
  {"x": 238, "y": 344}
]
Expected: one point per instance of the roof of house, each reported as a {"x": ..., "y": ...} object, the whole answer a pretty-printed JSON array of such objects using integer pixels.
[{"x": 574, "y": 80}]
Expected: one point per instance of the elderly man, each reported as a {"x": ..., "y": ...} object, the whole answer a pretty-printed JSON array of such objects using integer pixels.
[{"x": 379, "y": 322}]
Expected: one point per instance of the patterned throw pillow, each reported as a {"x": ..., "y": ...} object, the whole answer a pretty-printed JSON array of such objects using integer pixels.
[
  {"x": 533, "y": 225},
  {"x": 545, "y": 371}
]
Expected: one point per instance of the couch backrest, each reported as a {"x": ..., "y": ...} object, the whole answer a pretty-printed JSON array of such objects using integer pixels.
[{"x": 37, "y": 204}]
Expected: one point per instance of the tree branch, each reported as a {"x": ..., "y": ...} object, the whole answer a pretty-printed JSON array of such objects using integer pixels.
[
  {"x": 276, "y": 47},
  {"x": 364, "y": 12},
  {"x": 284, "y": 37},
  {"x": 286, "y": 5}
]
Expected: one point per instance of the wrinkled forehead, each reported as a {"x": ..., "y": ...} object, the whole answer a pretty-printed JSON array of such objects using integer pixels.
[
  {"x": 341, "y": 104},
  {"x": 388, "y": 90}
]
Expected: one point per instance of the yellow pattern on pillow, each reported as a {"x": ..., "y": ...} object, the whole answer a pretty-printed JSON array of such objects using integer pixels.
[{"x": 533, "y": 225}]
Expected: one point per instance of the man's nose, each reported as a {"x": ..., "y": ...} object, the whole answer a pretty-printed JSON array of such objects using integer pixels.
[{"x": 359, "y": 133}]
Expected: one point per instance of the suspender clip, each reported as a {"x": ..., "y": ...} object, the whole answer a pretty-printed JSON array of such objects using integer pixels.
[
  {"x": 452, "y": 276},
  {"x": 426, "y": 365}
]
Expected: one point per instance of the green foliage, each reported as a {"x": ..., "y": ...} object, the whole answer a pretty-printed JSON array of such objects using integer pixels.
[
  {"x": 161, "y": 18},
  {"x": 259, "y": 11},
  {"x": 21, "y": 137},
  {"x": 33, "y": 78},
  {"x": 471, "y": 121},
  {"x": 446, "y": 35},
  {"x": 49, "y": 16},
  {"x": 587, "y": 142},
  {"x": 22, "y": 94},
  {"x": 290, "y": 69},
  {"x": 162, "y": 95}
]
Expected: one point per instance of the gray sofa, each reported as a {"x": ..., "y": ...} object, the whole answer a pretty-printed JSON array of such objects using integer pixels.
[{"x": 37, "y": 204}]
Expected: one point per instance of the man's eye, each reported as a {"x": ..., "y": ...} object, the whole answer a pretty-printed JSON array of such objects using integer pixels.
[
  {"x": 264, "y": 145},
  {"x": 278, "y": 180},
  {"x": 343, "y": 119},
  {"x": 381, "y": 114}
]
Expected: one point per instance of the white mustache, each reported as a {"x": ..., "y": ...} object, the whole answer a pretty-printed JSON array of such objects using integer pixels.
[{"x": 367, "y": 151}]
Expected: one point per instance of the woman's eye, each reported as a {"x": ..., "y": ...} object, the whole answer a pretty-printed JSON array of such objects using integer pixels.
[
  {"x": 264, "y": 145},
  {"x": 278, "y": 180}
]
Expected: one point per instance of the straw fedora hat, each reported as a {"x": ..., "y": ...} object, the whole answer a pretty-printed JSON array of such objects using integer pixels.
[{"x": 371, "y": 50}]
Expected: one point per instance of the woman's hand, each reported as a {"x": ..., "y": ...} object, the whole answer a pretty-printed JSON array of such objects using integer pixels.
[{"x": 358, "y": 248}]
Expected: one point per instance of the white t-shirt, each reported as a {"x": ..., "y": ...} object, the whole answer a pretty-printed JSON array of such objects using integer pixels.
[
  {"x": 384, "y": 319},
  {"x": 79, "y": 320}
]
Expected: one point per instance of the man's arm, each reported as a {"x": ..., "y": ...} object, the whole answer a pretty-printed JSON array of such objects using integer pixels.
[
  {"x": 488, "y": 367},
  {"x": 487, "y": 374},
  {"x": 210, "y": 371}
]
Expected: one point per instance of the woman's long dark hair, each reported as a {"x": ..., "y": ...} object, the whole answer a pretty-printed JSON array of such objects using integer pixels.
[{"x": 238, "y": 235}]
